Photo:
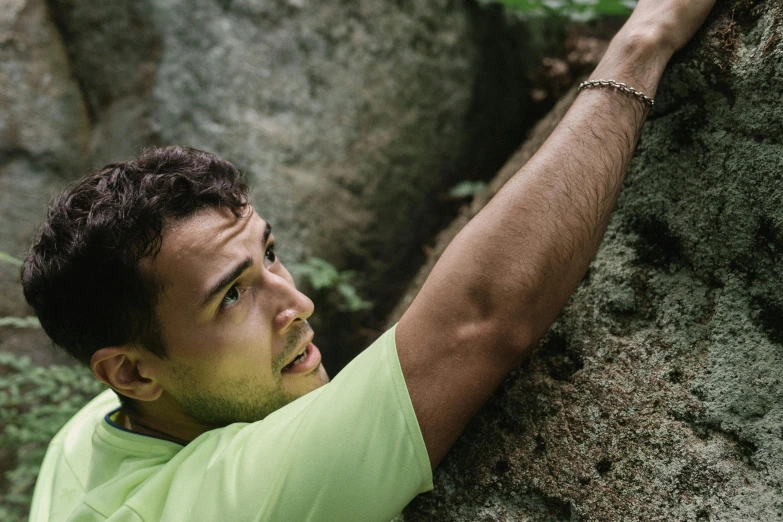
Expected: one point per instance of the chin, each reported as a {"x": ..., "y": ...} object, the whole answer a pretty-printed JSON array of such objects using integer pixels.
[
  {"x": 304, "y": 384},
  {"x": 319, "y": 377}
]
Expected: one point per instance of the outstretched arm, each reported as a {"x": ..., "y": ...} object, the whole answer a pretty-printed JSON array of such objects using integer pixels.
[{"x": 506, "y": 276}]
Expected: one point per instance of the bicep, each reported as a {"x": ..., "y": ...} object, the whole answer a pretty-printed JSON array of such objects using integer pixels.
[{"x": 452, "y": 360}]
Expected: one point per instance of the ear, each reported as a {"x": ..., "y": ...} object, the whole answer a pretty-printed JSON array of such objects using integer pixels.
[{"x": 118, "y": 367}]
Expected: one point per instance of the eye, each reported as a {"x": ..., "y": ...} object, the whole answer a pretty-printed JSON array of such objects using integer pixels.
[
  {"x": 270, "y": 254},
  {"x": 231, "y": 298}
]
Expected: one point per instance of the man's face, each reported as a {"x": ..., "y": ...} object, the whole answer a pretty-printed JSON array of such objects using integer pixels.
[{"x": 232, "y": 320}]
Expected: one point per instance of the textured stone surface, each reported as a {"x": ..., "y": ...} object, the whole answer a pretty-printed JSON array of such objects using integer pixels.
[
  {"x": 658, "y": 394},
  {"x": 44, "y": 131}
]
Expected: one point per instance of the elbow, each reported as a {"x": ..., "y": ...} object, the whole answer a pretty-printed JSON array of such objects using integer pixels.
[
  {"x": 513, "y": 328},
  {"x": 511, "y": 339},
  {"x": 517, "y": 339}
]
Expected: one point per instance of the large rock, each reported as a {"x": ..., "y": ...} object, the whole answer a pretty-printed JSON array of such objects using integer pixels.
[
  {"x": 44, "y": 129},
  {"x": 349, "y": 116},
  {"x": 658, "y": 394},
  {"x": 44, "y": 136}
]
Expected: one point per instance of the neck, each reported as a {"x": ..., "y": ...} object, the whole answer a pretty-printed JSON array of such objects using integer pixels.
[
  {"x": 135, "y": 424},
  {"x": 163, "y": 420}
]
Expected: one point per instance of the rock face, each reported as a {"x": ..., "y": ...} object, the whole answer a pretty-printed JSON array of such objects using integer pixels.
[
  {"x": 658, "y": 394},
  {"x": 44, "y": 138},
  {"x": 35, "y": 152},
  {"x": 349, "y": 116}
]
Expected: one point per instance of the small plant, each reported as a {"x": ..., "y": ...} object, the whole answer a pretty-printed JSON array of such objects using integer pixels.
[
  {"x": 577, "y": 10},
  {"x": 35, "y": 402},
  {"x": 8, "y": 258},
  {"x": 323, "y": 276},
  {"x": 465, "y": 189},
  {"x": 16, "y": 322}
]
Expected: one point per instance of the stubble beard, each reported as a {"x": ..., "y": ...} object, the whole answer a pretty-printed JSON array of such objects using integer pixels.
[
  {"x": 231, "y": 402},
  {"x": 244, "y": 399}
]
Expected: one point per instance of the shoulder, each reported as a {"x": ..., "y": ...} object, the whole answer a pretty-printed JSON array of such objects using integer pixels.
[{"x": 64, "y": 474}]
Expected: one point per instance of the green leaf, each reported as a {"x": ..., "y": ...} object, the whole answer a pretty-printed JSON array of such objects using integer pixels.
[
  {"x": 578, "y": 10},
  {"x": 352, "y": 301},
  {"x": 35, "y": 402},
  {"x": 8, "y": 258},
  {"x": 323, "y": 276},
  {"x": 320, "y": 273},
  {"x": 464, "y": 189}
]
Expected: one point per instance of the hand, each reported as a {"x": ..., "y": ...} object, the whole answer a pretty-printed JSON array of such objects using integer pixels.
[
  {"x": 656, "y": 29},
  {"x": 667, "y": 23}
]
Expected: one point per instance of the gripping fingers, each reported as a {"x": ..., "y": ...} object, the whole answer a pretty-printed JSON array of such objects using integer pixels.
[{"x": 671, "y": 23}]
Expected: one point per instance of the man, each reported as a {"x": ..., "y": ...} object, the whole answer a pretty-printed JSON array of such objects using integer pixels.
[{"x": 160, "y": 275}]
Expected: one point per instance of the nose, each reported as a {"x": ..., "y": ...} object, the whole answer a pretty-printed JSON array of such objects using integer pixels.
[{"x": 292, "y": 306}]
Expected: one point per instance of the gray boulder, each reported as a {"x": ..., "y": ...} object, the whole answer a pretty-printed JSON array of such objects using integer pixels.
[
  {"x": 658, "y": 394},
  {"x": 44, "y": 138}
]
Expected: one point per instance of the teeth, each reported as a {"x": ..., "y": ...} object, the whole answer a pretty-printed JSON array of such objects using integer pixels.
[{"x": 299, "y": 358}]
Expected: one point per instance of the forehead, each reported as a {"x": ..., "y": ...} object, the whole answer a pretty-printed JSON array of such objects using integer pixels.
[{"x": 196, "y": 248}]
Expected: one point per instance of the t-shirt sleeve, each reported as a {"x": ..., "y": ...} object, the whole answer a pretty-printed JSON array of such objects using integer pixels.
[{"x": 351, "y": 450}]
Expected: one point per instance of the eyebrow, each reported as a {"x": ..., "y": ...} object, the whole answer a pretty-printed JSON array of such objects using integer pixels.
[
  {"x": 225, "y": 281},
  {"x": 235, "y": 272}
]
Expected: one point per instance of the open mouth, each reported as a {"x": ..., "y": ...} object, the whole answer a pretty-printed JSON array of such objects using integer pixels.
[
  {"x": 304, "y": 361},
  {"x": 299, "y": 358}
]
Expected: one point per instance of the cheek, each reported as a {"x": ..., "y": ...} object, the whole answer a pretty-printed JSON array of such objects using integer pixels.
[
  {"x": 235, "y": 343},
  {"x": 235, "y": 373},
  {"x": 245, "y": 334},
  {"x": 244, "y": 356},
  {"x": 237, "y": 352}
]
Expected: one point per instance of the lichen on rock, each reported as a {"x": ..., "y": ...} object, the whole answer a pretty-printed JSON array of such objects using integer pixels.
[{"x": 658, "y": 394}]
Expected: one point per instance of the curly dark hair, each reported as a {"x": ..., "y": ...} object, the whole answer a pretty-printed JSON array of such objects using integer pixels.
[{"x": 82, "y": 274}]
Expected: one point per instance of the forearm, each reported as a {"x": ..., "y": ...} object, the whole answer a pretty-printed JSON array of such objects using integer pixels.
[{"x": 526, "y": 252}]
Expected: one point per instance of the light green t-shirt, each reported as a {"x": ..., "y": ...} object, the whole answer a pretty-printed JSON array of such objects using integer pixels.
[{"x": 350, "y": 450}]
